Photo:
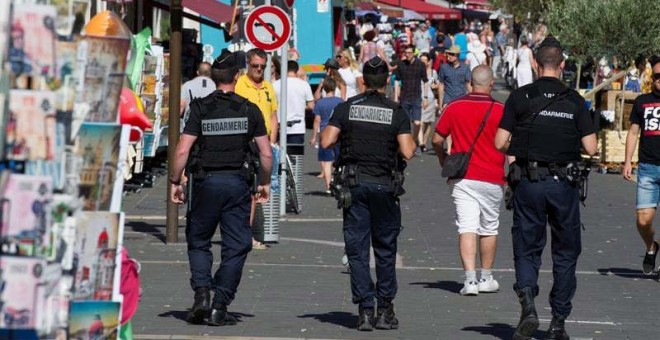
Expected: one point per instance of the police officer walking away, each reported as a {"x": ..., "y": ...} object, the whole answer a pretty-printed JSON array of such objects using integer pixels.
[
  {"x": 219, "y": 131},
  {"x": 375, "y": 134},
  {"x": 543, "y": 127}
]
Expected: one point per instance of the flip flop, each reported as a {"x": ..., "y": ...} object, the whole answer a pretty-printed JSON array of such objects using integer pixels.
[{"x": 258, "y": 245}]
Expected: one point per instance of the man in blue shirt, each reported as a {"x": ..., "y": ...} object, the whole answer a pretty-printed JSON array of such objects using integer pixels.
[
  {"x": 454, "y": 78},
  {"x": 500, "y": 47},
  {"x": 461, "y": 40}
]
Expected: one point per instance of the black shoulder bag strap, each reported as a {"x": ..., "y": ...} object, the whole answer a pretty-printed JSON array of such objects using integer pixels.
[{"x": 481, "y": 127}]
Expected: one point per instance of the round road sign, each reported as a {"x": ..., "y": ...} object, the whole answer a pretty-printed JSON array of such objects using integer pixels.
[{"x": 268, "y": 27}]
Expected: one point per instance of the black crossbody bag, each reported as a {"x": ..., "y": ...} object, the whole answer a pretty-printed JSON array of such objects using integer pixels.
[{"x": 456, "y": 164}]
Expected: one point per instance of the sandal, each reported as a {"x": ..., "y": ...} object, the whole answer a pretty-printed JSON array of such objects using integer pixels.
[{"x": 258, "y": 245}]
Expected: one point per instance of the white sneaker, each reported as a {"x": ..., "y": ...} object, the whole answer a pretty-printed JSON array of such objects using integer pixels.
[
  {"x": 470, "y": 288},
  {"x": 488, "y": 286}
]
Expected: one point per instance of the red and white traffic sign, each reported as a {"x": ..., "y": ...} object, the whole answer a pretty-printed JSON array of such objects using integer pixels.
[
  {"x": 288, "y": 3},
  {"x": 268, "y": 28}
]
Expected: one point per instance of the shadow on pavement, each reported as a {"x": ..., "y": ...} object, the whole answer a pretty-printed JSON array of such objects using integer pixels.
[
  {"x": 152, "y": 229},
  {"x": 313, "y": 173},
  {"x": 450, "y": 286},
  {"x": 344, "y": 319},
  {"x": 317, "y": 193},
  {"x": 181, "y": 315},
  {"x": 500, "y": 331},
  {"x": 177, "y": 314},
  {"x": 629, "y": 273}
]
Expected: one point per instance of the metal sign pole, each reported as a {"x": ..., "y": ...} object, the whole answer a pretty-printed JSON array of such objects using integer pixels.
[{"x": 284, "y": 69}]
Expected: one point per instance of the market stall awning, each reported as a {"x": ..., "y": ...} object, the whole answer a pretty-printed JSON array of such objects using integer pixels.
[
  {"x": 481, "y": 5},
  {"x": 426, "y": 9},
  {"x": 390, "y": 11},
  {"x": 212, "y": 9}
]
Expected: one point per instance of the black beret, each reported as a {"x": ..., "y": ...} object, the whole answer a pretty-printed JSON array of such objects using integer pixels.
[
  {"x": 375, "y": 66},
  {"x": 225, "y": 61}
]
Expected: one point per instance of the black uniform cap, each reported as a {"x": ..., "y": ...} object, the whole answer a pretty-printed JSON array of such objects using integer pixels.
[
  {"x": 374, "y": 67},
  {"x": 225, "y": 61}
]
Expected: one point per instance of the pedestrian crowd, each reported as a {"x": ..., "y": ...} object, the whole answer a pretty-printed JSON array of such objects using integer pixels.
[{"x": 378, "y": 109}]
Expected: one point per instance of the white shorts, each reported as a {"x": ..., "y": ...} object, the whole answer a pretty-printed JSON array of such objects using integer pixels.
[{"x": 477, "y": 206}]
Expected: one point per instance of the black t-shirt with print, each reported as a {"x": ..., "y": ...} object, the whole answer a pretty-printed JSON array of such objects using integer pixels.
[{"x": 646, "y": 114}]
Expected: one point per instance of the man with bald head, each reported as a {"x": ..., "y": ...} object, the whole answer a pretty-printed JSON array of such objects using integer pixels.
[
  {"x": 199, "y": 87},
  {"x": 472, "y": 122}
]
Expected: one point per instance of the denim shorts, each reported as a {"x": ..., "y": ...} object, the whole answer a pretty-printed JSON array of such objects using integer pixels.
[
  {"x": 413, "y": 108},
  {"x": 648, "y": 185}
]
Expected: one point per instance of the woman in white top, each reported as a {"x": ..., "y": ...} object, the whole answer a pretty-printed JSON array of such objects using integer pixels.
[
  {"x": 526, "y": 63},
  {"x": 430, "y": 112},
  {"x": 349, "y": 72},
  {"x": 476, "y": 54}
]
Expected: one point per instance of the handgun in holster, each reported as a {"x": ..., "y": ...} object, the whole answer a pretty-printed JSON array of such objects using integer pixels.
[
  {"x": 195, "y": 168},
  {"x": 340, "y": 189},
  {"x": 398, "y": 177},
  {"x": 251, "y": 167},
  {"x": 515, "y": 175}
]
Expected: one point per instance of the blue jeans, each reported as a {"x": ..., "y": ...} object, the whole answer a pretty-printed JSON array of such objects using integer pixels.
[
  {"x": 374, "y": 216},
  {"x": 219, "y": 199},
  {"x": 648, "y": 185},
  {"x": 536, "y": 204}
]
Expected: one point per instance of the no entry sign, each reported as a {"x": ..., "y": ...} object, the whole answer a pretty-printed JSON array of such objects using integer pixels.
[{"x": 268, "y": 28}]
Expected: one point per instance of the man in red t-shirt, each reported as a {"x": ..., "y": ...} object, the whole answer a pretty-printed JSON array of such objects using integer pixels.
[{"x": 478, "y": 195}]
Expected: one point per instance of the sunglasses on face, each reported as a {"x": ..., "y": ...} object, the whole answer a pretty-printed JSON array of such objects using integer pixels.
[
  {"x": 655, "y": 76},
  {"x": 451, "y": 54},
  {"x": 258, "y": 66}
]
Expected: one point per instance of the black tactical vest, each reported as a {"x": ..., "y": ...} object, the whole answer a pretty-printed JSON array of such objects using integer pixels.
[
  {"x": 547, "y": 133},
  {"x": 369, "y": 137},
  {"x": 224, "y": 137}
]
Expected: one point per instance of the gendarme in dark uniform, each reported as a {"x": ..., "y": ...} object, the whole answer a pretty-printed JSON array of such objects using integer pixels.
[
  {"x": 372, "y": 130},
  {"x": 219, "y": 129},
  {"x": 547, "y": 124}
]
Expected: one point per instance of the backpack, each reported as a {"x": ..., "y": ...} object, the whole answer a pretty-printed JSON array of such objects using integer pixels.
[{"x": 440, "y": 59}]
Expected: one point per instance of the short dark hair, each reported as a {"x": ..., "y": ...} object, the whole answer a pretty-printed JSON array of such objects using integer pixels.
[
  {"x": 375, "y": 81},
  {"x": 440, "y": 38},
  {"x": 329, "y": 85},
  {"x": 292, "y": 66},
  {"x": 256, "y": 52},
  {"x": 654, "y": 60},
  {"x": 224, "y": 77},
  {"x": 549, "y": 57}
]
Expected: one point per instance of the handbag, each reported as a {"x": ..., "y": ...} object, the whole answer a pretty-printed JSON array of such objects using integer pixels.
[{"x": 456, "y": 164}]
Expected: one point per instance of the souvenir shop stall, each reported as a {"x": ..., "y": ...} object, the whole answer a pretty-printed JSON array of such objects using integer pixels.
[{"x": 69, "y": 114}]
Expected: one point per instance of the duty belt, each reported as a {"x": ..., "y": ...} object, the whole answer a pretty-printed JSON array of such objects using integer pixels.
[{"x": 373, "y": 179}]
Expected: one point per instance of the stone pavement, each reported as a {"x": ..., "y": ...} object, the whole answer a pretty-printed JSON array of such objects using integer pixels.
[{"x": 298, "y": 287}]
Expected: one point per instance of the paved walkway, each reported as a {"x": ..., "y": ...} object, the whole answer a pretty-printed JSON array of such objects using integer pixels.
[{"x": 298, "y": 288}]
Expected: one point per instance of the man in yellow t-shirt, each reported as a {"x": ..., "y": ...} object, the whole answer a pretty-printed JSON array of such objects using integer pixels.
[{"x": 259, "y": 91}]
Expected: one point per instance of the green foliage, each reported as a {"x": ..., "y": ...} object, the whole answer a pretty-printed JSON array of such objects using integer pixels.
[
  {"x": 621, "y": 28},
  {"x": 536, "y": 9}
]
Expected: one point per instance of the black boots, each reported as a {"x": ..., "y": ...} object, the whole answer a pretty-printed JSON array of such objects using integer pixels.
[
  {"x": 529, "y": 320},
  {"x": 201, "y": 306},
  {"x": 220, "y": 317},
  {"x": 366, "y": 319},
  {"x": 385, "y": 318},
  {"x": 556, "y": 330}
]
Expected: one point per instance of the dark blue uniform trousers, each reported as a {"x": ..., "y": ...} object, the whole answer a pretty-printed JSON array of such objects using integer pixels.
[
  {"x": 223, "y": 199},
  {"x": 536, "y": 204},
  {"x": 374, "y": 216}
]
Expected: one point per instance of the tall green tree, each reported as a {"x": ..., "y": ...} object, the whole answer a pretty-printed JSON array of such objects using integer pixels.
[{"x": 531, "y": 10}]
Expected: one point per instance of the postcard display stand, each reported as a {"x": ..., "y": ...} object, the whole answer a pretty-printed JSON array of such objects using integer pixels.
[
  {"x": 151, "y": 91},
  {"x": 61, "y": 226}
]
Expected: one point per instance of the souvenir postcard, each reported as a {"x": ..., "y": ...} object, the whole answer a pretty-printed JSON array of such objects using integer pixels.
[
  {"x": 4, "y": 33},
  {"x": 66, "y": 71},
  {"x": 99, "y": 234},
  {"x": 21, "y": 277},
  {"x": 103, "y": 151},
  {"x": 149, "y": 103},
  {"x": 101, "y": 81},
  {"x": 70, "y": 16},
  {"x": 30, "y": 128},
  {"x": 26, "y": 214},
  {"x": 32, "y": 49},
  {"x": 91, "y": 320}
]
